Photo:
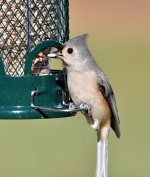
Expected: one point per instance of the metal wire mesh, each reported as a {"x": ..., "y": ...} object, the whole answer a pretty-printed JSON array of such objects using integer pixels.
[{"x": 26, "y": 23}]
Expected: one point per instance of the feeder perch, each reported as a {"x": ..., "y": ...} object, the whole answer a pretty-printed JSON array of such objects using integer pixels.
[{"x": 29, "y": 30}]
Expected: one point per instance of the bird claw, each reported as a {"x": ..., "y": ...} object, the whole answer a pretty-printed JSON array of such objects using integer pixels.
[
  {"x": 85, "y": 107},
  {"x": 72, "y": 106},
  {"x": 86, "y": 110}
]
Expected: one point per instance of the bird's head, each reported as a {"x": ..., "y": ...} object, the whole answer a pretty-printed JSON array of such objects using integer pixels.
[{"x": 73, "y": 52}]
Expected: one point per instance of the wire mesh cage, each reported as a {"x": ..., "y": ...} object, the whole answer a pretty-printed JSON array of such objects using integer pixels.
[
  {"x": 25, "y": 24},
  {"x": 29, "y": 30}
]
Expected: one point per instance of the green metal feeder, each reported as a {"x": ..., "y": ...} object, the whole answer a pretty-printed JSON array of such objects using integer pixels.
[{"x": 29, "y": 29}]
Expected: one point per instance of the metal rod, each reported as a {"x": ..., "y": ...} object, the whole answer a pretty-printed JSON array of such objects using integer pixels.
[
  {"x": 28, "y": 22},
  {"x": 57, "y": 110},
  {"x": 34, "y": 93}
]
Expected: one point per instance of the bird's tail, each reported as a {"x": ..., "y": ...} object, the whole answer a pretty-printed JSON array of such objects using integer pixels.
[{"x": 102, "y": 157}]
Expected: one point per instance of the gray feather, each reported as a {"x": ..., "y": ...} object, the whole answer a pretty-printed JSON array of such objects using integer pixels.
[
  {"x": 108, "y": 93},
  {"x": 106, "y": 90}
]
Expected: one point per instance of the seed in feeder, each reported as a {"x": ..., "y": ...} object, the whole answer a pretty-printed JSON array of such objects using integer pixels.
[
  {"x": 13, "y": 22},
  {"x": 4, "y": 7},
  {"x": 40, "y": 6},
  {"x": 13, "y": 7},
  {"x": 37, "y": 41},
  {"x": 22, "y": 8},
  {"x": 40, "y": 54},
  {"x": 22, "y": 55},
  {"x": 41, "y": 33},
  {"x": 44, "y": 14},
  {"x": 18, "y": 42},
  {"x": 15, "y": 19},
  {"x": 53, "y": 27},
  {"x": 36, "y": 14},
  {"x": 23, "y": 21},
  {"x": 49, "y": 19},
  {"x": 12, "y": 55},
  {"x": 13, "y": 36},
  {"x": 40, "y": 59},
  {"x": 18, "y": 1},
  {"x": 9, "y": 13},
  {"x": 44, "y": 27},
  {"x": 9, "y": 28},
  {"x": 4, "y": 22},
  {"x": 1, "y": 29},
  {"x": 1, "y": 14},
  {"x": 48, "y": 6},
  {"x": 32, "y": 34},
  {"x": 21, "y": 71},
  {"x": 1, "y": 42},
  {"x": 40, "y": 20},
  {"x": 22, "y": 35},
  {"x": 13, "y": 50},
  {"x": 9, "y": 1},
  {"x": 32, "y": 6},
  {"x": 4, "y": 35},
  {"x": 36, "y": 60},
  {"x": 19, "y": 17},
  {"x": 9, "y": 42},
  {"x": 35, "y": 27},
  {"x": 49, "y": 34}
]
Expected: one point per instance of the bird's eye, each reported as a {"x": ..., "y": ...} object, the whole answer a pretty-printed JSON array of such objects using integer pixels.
[{"x": 70, "y": 50}]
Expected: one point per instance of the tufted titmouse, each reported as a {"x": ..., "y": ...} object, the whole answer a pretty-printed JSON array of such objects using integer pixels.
[{"x": 89, "y": 87}]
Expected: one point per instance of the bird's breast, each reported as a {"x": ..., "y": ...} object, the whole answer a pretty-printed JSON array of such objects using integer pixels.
[{"x": 82, "y": 86}]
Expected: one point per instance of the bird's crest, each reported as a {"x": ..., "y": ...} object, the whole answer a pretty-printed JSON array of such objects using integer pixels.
[{"x": 80, "y": 40}]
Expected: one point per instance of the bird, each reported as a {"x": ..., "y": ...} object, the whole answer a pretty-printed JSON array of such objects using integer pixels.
[{"x": 90, "y": 88}]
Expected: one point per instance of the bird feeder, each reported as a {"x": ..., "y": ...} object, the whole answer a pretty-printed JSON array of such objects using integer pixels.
[{"x": 29, "y": 29}]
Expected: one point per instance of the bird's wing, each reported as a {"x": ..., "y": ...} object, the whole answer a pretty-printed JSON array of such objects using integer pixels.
[{"x": 108, "y": 93}]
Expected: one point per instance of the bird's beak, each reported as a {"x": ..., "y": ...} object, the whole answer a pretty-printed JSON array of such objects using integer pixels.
[{"x": 56, "y": 54}]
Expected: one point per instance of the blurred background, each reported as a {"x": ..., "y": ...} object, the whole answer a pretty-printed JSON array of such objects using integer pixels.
[{"x": 119, "y": 39}]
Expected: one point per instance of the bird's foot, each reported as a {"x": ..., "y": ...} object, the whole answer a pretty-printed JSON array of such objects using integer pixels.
[
  {"x": 85, "y": 107},
  {"x": 86, "y": 110},
  {"x": 72, "y": 106}
]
